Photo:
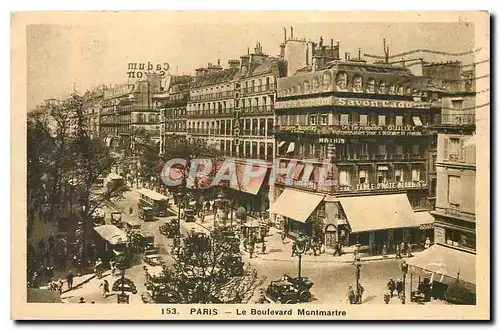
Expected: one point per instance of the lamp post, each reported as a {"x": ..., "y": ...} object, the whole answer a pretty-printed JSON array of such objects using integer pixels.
[
  {"x": 404, "y": 269},
  {"x": 300, "y": 248},
  {"x": 357, "y": 264}
]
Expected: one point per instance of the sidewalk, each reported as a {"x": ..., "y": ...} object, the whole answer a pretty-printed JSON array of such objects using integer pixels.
[
  {"x": 78, "y": 281},
  {"x": 277, "y": 251}
]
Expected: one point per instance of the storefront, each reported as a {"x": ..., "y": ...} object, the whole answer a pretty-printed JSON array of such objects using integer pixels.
[
  {"x": 443, "y": 267},
  {"x": 299, "y": 210},
  {"x": 379, "y": 220}
]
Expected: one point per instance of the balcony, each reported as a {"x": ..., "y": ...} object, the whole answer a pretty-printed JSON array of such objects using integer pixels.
[
  {"x": 257, "y": 110},
  {"x": 460, "y": 120},
  {"x": 454, "y": 213},
  {"x": 357, "y": 158},
  {"x": 352, "y": 129},
  {"x": 257, "y": 89},
  {"x": 212, "y": 96},
  {"x": 212, "y": 113},
  {"x": 175, "y": 103},
  {"x": 354, "y": 188}
]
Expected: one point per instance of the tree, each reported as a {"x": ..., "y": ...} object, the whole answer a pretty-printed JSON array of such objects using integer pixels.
[
  {"x": 64, "y": 164},
  {"x": 204, "y": 269}
]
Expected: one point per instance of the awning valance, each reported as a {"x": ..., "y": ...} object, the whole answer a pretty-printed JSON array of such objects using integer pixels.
[
  {"x": 443, "y": 264},
  {"x": 425, "y": 220},
  {"x": 112, "y": 234},
  {"x": 295, "y": 204},
  {"x": 368, "y": 213}
]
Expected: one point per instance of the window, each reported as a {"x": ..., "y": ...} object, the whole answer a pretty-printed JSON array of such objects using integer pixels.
[
  {"x": 364, "y": 149},
  {"x": 344, "y": 178},
  {"x": 398, "y": 175},
  {"x": 344, "y": 119},
  {"x": 382, "y": 176},
  {"x": 454, "y": 190},
  {"x": 457, "y": 104},
  {"x": 363, "y": 177},
  {"x": 324, "y": 119},
  {"x": 312, "y": 120},
  {"x": 453, "y": 148},
  {"x": 399, "y": 150},
  {"x": 363, "y": 120},
  {"x": 460, "y": 238},
  {"x": 415, "y": 175},
  {"x": 415, "y": 150},
  {"x": 382, "y": 149},
  {"x": 381, "y": 120}
]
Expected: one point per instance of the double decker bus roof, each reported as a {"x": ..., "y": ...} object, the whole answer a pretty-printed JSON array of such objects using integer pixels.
[{"x": 152, "y": 194}]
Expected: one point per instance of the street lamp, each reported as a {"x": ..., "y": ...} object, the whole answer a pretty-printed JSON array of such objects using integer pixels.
[
  {"x": 357, "y": 264},
  {"x": 404, "y": 269},
  {"x": 180, "y": 196},
  {"x": 300, "y": 247}
]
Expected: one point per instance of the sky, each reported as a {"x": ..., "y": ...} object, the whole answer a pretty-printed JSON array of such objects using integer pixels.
[{"x": 61, "y": 58}]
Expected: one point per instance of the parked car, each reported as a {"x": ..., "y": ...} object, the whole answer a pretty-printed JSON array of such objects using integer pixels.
[
  {"x": 153, "y": 259},
  {"x": 289, "y": 290}
]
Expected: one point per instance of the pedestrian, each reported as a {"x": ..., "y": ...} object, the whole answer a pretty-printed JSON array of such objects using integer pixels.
[
  {"x": 207, "y": 206},
  {"x": 409, "y": 250},
  {"x": 402, "y": 250},
  {"x": 98, "y": 268},
  {"x": 59, "y": 285},
  {"x": 387, "y": 297},
  {"x": 82, "y": 300},
  {"x": 263, "y": 247},
  {"x": 399, "y": 287},
  {"x": 69, "y": 279},
  {"x": 427, "y": 243},
  {"x": 130, "y": 210},
  {"x": 351, "y": 295},
  {"x": 35, "y": 280},
  {"x": 104, "y": 288},
  {"x": 112, "y": 265},
  {"x": 384, "y": 249},
  {"x": 283, "y": 236},
  {"x": 251, "y": 248},
  {"x": 398, "y": 251},
  {"x": 391, "y": 286}
]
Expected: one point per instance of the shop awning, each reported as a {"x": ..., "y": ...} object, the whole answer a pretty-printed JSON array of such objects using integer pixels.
[
  {"x": 425, "y": 220},
  {"x": 443, "y": 264},
  {"x": 112, "y": 234},
  {"x": 291, "y": 147},
  {"x": 108, "y": 141},
  {"x": 295, "y": 204},
  {"x": 298, "y": 171},
  {"x": 379, "y": 212},
  {"x": 281, "y": 144},
  {"x": 254, "y": 182}
]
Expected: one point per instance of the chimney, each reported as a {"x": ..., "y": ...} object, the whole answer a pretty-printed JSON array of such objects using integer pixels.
[
  {"x": 359, "y": 54},
  {"x": 337, "y": 51},
  {"x": 310, "y": 53},
  {"x": 233, "y": 64},
  {"x": 282, "y": 51},
  {"x": 332, "y": 50},
  {"x": 345, "y": 54},
  {"x": 291, "y": 32},
  {"x": 245, "y": 60},
  {"x": 285, "y": 33}
]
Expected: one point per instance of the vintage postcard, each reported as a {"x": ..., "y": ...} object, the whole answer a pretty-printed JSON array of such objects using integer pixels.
[{"x": 250, "y": 165}]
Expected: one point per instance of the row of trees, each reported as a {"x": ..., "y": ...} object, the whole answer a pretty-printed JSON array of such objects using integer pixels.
[{"x": 63, "y": 165}]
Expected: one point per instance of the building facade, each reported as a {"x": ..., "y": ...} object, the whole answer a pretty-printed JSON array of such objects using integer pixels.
[
  {"x": 128, "y": 108},
  {"x": 92, "y": 106},
  {"x": 172, "y": 105},
  {"x": 233, "y": 110},
  {"x": 369, "y": 126}
]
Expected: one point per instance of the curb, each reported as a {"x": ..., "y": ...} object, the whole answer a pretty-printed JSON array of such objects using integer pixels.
[
  {"x": 327, "y": 261},
  {"x": 79, "y": 284}
]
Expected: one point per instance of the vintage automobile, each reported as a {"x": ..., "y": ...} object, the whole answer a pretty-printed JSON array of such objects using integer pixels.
[
  {"x": 148, "y": 240},
  {"x": 288, "y": 290},
  {"x": 146, "y": 213},
  {"x": 189, "y": 214},
  {"x": 156, "y": 290},
  {"x": 153, "y": 259}
]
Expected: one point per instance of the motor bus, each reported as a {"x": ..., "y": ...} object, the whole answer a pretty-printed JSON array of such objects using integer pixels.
[{"x": 154, "y": 200}]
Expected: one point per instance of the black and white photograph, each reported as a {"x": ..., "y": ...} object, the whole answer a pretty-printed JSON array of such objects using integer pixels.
[{"x": 196, "y": 165}]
